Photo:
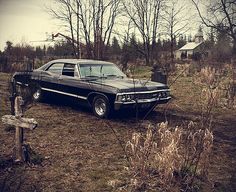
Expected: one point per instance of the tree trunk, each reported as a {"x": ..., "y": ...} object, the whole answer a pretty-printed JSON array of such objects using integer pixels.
[
  {"x": 172, "y": 52},
  {"x": 234, "y": 67},
  {"x": 89, "y": 51},
  {"x": 78, "y": 34}
]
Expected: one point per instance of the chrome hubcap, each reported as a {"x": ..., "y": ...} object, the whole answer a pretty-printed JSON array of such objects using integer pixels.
[
  {"x": 37, "y": 93},
  {"x": 100, "y": 107}
]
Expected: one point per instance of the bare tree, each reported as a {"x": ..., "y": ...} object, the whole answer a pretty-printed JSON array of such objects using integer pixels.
[
  {"x": 220, "y": 15},
  {"x": 93, "y": 19},
  {"x": 175, "y": 23},
  {"x": 84, "y": 14},
  {"x": 64, "y": 13},
  {"x": 144, "y": 15},
  {"x": 104, "y": 15}
]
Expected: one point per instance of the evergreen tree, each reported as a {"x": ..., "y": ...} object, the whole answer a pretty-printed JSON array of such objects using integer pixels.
[
  {"x": 50, "y": 51},
  {"x": 223, "y": 49},
  {"x": 158, "y": 45},
  {"x": 44, "y": 50},
  {"x": 166, "y": 44},
  {"x": 39, "y": 52},
  {"x": 8, "y": 48},
  {"x": 181, "y": 41},
  {"x": 115, "y": 47},
  {"x": 133, "y": 47}
]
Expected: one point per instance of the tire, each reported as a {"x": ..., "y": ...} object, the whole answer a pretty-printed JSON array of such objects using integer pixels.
[
  {"x": 36, "y": 91},
  {"x": 101, "y": 107}
]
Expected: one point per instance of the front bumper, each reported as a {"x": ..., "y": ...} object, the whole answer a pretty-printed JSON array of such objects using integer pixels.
[{"x": 142, "y": 103}]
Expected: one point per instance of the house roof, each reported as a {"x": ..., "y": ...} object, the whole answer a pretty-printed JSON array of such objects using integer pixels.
[{"x": 190, "y": 46}]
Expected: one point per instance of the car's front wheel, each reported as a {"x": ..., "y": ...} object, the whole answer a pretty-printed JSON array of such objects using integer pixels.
[{"x": 101, "y": 106}]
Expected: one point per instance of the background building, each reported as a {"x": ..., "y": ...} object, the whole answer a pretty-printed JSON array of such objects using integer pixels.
[{"x": 193, "y": 49}]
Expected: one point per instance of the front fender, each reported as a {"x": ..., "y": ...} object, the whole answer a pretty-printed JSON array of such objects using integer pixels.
[{"x": 109, "y": 97}]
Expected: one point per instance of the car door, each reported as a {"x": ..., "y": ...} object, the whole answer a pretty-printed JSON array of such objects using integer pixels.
[
  {"x": 49, "y": 77},
  {"x": 69, "y": 82}
]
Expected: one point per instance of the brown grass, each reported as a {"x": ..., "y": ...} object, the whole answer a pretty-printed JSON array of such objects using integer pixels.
[
  {"x": 167, "y": 158},
  {"x": 80, "y": 153}
]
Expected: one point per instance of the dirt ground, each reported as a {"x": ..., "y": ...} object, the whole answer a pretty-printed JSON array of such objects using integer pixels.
[{"x": 75, "y": 151}]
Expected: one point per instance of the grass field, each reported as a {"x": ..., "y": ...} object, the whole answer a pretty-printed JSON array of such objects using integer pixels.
[{"x": 75, "y": 151}]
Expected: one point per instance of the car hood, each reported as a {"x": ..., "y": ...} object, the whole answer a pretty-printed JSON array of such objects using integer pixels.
[{"x": 130, "y": 85}]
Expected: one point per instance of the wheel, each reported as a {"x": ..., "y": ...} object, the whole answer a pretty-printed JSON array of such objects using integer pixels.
[
  {"x": 101, "y": 106},
  {"x": 36, "y": 92}
]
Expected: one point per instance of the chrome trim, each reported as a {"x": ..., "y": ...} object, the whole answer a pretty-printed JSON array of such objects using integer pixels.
[
  {"x": 64, "y": 93},
  {"x": 142, "y": 92},
  {"x": 19, "y": 83},
  {"x": 78, "y": 67},
  {"x": 143, "y": 101},
  {"x": 77, "y": 71}
]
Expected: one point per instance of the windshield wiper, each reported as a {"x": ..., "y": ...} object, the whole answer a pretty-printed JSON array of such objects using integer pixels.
[
  {"x": 119, "y": 76},
  {"x": 92, "y": 76},
  {"x": 95, "y": 76}
]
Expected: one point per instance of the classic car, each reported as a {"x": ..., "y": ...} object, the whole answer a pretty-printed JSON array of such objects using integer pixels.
[{"x": 99, "y": 84}]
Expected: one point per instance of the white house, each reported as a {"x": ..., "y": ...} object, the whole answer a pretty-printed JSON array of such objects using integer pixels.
[{"x": 191, "y": 48}]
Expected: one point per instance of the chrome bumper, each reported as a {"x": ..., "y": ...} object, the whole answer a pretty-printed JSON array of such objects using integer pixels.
[{"x": 153, "y": 101}]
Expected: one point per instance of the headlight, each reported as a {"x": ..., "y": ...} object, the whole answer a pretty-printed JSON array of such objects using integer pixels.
[
  {"x": 165, "y": 94},
  {"x": 125, "y": 98},
  {"x": 128, "y": 97},
  {"x": 121, "y": 98}
]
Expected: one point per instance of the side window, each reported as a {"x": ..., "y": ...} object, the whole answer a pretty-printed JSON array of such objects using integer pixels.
[
  {"x": 69, "y": 69},
  {"x": 56, "y": 68}
]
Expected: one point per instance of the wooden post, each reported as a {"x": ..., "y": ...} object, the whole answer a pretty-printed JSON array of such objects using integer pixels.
[
  {"x": 19, "y": 124},
  {"x": 13, "y": 96},
  {"x": 19, "y": 131}
]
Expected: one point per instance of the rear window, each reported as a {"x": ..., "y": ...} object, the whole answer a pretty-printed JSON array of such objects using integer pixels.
[{"x": 69, "y": 69}]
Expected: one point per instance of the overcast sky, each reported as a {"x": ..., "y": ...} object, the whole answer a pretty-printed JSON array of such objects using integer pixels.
[
  {"x": 26, "y": 21},
  {"x": 23, "y": 21}
]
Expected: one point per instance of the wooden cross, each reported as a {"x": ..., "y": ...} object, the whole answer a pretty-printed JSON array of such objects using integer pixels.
[{"x": 20, "y": 123}]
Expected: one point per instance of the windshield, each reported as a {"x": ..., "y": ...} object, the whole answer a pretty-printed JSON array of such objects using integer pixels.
[{"x": 100, "y": 70}]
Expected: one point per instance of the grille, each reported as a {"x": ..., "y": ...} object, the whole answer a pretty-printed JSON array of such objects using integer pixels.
[{"x": 151, "y": 95}]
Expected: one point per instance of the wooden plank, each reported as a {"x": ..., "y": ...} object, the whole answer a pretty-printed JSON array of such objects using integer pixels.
[
  {"x": 19, "y": 155},
  {"x": 20, "y": 123},
  {"x": 27, "y": 123}
]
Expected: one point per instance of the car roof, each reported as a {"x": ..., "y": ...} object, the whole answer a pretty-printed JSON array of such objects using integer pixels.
[{"x": 80, "y": 61}]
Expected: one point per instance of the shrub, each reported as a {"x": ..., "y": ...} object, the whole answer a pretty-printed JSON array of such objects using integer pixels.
[
  {"x": 218, "y": 89},
  {"x": 167, "y": 158}
]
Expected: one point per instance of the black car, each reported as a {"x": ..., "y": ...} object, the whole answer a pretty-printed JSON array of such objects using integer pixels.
[{"x": 101, "y": 85}]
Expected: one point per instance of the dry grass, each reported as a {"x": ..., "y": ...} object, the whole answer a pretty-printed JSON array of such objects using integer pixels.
[
  {"x": 211, "y": 78},
  {"x": 184, "y": 152},
  {"x": 187, "y": 90},
  {"x": 80, "y": 153},
  {"x": 168, "y": 159}
]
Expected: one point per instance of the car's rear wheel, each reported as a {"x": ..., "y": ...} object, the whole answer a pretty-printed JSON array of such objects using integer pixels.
[{"x": 101, "y": 106}]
